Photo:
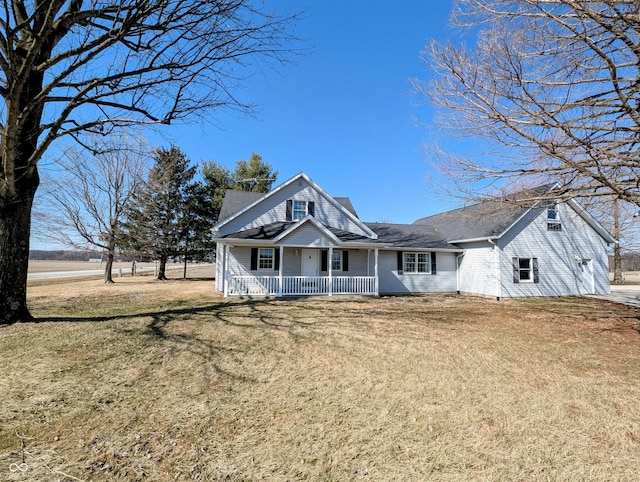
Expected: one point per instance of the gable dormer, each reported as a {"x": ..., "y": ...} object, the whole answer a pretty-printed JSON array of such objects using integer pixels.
[{"x": 292, "y": 201}]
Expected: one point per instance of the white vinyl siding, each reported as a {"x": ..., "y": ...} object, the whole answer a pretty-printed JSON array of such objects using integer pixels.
[
  {"x": 558, "y": 254},
  {"x": 478, "y": 273},
  {"x": 391, "y": 282},
  {"x": 307, "y": 235}
]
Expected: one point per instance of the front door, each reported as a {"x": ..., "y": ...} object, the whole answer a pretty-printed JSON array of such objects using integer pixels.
[
  {"x": 309, "y": 262},
  {"x": 588, "y": 284}
]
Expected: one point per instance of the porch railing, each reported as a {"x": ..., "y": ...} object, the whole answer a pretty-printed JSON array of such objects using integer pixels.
[{"x": 301, "y": 285}]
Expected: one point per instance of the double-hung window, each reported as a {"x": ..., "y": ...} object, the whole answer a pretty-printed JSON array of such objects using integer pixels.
[
  {"x": 265, "y": 258},
  {"x": 300, "y": 209},
  {"x": 525, "y": 270},
  {"x": 297, "y": 210},
  {"x": 553, "y": 218},
  {"x": 416, "y": 262},
  {"x": 336, "y": 261}
]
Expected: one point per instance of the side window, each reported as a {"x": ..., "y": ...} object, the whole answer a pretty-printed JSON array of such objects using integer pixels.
[{"x": 525, "y": 270}]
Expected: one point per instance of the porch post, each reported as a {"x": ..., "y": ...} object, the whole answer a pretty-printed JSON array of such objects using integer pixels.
[
  {"x": 375, "y": 264},
  {"x": 330, "y": 268},
  {"x": 225, "y": 271},
  {"x": 280, "y": 271}
]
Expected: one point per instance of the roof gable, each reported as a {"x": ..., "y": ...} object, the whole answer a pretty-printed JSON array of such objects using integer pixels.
[
  {"x": 492, "y": 219},
  {"x": 243, "y": 204},
  {"x": 305, "y": 222}
]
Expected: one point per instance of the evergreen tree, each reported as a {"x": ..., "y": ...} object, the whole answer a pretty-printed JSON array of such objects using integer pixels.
[
  {"x": 196, "y": 238},
  {"x": 253, "y": 175},
  {"x": 217, "y": 179},
  {"x": 155, "y": 218}
]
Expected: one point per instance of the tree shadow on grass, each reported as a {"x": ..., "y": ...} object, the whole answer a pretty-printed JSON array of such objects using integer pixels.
[{"x": 164, "y": 327}]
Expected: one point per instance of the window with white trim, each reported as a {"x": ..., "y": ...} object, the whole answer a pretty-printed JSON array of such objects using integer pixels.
[
  {"x": 416, "y": 262},
  {"x": 525, "y": 270},
  {"x": 336, "y": 261},
  {"x": 300, "y": 209},
  {"x": 553, "y": 218},
  {"x": 265, "y": 258}
]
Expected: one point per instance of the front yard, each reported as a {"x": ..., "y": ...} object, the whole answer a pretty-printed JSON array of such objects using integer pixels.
[{"x": 168, "y": 381}]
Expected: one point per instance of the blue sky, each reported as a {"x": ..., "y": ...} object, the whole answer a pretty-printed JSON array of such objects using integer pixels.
[{"x": 344, "y": 113}]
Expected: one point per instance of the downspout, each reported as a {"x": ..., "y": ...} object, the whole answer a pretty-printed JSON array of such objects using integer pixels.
[
  {"x": 458, "y": 282},
  {"x": 496, "y": 255}
]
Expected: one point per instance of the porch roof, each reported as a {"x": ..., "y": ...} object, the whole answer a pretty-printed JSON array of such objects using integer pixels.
[
  {"x": 389, "y": 235},
  {"x": 271, "y": 231}
]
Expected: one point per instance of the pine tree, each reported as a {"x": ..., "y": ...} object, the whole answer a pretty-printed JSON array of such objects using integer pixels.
[
  {"x": 196, "y": 238},
  {"x": 155, "y": 223},
  {"x": 253, "y": 175}
]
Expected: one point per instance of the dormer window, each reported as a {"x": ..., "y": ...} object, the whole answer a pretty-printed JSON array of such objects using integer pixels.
[
  {"x": 297, "y": 210},
  {"x": 553, "y": 218},
  {"x": 300, "y": 209}
]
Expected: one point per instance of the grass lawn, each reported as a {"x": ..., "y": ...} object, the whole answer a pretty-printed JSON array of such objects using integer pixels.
[{"x": 147, "y": 380}]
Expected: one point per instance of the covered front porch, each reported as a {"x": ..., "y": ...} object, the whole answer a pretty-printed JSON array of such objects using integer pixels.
[
  {"x": 298, "y": 271},
  {"x": 301, "y": 285}
]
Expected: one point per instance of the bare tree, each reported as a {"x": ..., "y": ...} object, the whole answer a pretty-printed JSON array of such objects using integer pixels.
[
  {"x": 86, "y": 200},
  {"x": 620, "y": 218},
  {"x": 70, "y": 67},
  {"x": 553, "y": 85}
]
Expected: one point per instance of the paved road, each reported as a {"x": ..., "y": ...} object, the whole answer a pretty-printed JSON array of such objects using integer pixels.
[
  {"x": 85, "y": 273},
  {"x": 627, "y": 294}
]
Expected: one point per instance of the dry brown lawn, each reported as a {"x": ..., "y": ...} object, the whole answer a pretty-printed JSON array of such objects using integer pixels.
[{"x": 148, "y": 380}]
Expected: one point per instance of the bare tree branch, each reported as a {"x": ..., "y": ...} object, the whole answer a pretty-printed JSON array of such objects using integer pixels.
[{"x": 556, "y": 83}]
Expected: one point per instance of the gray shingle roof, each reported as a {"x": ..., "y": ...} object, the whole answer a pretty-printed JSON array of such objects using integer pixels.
[
  {"x": 346, "y": 203},
  {"x": 396, "y": 235},
  {"x": 235, "y": 201},
  {"x": 483, "y": 220},
  {"x": 266, "y": 232},
  {"x": 408, "y": 236}
]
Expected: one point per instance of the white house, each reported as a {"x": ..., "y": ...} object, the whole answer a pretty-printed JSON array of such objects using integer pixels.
[{"x": 298, "y": 240}]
